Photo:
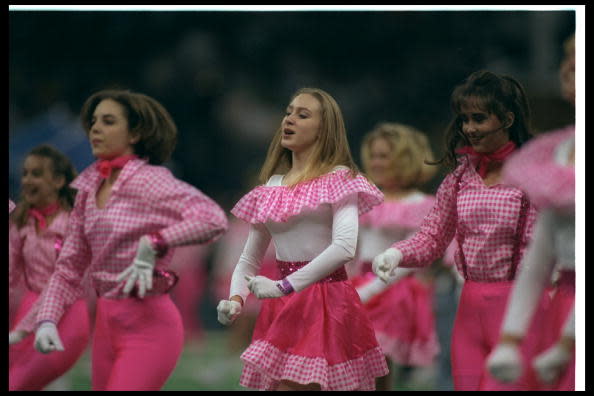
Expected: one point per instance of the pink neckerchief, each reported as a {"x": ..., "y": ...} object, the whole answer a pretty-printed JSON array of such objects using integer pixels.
[
  {"x": 106, "y": 166},
  {"x": 485, "y": 158},
  {"x": 41, "y": 214}
]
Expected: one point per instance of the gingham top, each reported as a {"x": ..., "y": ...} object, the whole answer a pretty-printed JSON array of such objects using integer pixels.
[
  {"x": 541, "y": 173},
  {"x": 32, "y": 256},
  {"x": 486, "y": 220},
  {"x": 391, "y": 221},
  {"x": 279, "y": 203},
  {"x": 144, "y": 199}
]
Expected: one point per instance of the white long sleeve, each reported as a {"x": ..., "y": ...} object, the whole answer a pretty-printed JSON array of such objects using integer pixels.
[
  {"x": 250, "y": 260},
  {"x": 345, "y": 225},
  {"x": 537, "y": 267}
]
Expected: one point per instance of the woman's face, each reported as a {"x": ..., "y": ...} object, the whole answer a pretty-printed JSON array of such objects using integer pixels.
[
  {"x": 485, "y": 131},
  {"x": 39, "y": 185},
  {"x": 301, "y": 124},
  {"x": 109, "y": 133},
  {"x": 380, "y": 162}
]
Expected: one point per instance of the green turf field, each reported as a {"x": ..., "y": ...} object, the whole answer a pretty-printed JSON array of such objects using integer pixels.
[{"x": 204, "y": 365}]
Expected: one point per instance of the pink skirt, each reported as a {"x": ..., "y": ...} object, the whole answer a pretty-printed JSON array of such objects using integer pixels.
[
  {"x": 404, "y": 321},
  {"x": 318, "y": 335}
]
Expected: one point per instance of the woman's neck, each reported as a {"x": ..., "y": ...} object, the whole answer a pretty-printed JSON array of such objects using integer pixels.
[
  {"x": 298, "y": 165},
  {"x": 396, "y": 193}
]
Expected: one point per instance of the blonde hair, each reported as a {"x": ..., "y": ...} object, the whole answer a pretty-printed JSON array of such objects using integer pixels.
[
  {"x": 331, "y": 149},
  {"x": 410, "y": 151}
]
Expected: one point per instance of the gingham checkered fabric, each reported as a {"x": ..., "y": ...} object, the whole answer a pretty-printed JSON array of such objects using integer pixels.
[
  {"x": 11, "y": 206},
  {"x": 31, "y": 255},
  {"x": 279, "y": 203},
  {"x": 487, "y": 217},
  {"x": 534, "y": 169},
  {"x": 144, "y": 199},
  {"x": 265, "y": 366},
  {"x": 31, "y": 259},
  {"x": 400, "y": 213}
]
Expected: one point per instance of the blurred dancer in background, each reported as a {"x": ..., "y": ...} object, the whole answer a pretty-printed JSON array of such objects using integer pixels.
[
  {"x": 491, "y": 222},
  {"x": 37, "y": 229},
  {"x": 545, "y": 169},
  {"x": 401, "y": 311},
  {"x": 128, "y": 216},
  {"x": 312, "y": 332}
]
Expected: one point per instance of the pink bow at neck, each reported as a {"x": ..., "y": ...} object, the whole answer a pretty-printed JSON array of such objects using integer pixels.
[
  {"x": 484, "y": 159},
  {"x": 41, "y": 214},
  {"x": 106, "y": 166}
]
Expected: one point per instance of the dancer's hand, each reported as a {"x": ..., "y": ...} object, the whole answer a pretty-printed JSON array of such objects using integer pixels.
[
  {"x": 16, "y": 336},
  {"x": 385, "y": 263},
  {"x": 47, "y": 338},
  {"x": 262, "y": 287},
  {"x": 505, "y": 363},
  {"x": 549, "y": 364},
  {"x": 227, "y": 311},
  {"x": 141, "y": 270}
]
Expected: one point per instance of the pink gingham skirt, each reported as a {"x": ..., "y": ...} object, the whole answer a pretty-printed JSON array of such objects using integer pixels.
[
  {"x": 318, "y": 335},
  {"x": 404, "y": 321}
]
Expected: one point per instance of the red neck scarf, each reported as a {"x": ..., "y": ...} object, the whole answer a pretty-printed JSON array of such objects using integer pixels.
[
  {"x": 106, "y": 166},
  {"x": 41, "y": 214},
  {"x": 484, "y": 159}
]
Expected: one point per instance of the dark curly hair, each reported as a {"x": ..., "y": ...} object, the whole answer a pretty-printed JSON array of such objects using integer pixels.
[
  {"x": 146, "y": 117},
  {"x": 494, "y": 94},
  {"x": 61, "y": 166}
]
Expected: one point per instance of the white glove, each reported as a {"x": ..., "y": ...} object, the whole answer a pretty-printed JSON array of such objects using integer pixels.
[
  {"x": 505, "y": 363},
  {"x": 262, "y": 287},
  {"x": 385, "y": 263},
  {"x": 549, "y": 364},
  {"x": 16, "y": 336},
  {"x": 47, "y": 338},
  {"x": 227, "y": 311},
  {"x": 141, "y": 270}
]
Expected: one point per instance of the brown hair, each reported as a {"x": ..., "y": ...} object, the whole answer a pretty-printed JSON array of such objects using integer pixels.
[
  {"x": 495, "y": 94},
  {"x": 331, "y": 148},
  {"x": 146, "y": 117},
  {"x": 410, "y": 151},
  {"x": 61, "y": 166}
]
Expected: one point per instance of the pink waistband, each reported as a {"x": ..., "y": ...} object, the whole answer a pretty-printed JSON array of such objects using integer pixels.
[{"x": 288, "y": 267}]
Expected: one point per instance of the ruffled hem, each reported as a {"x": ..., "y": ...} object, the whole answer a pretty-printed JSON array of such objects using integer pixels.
[
  {"x": 534, "y": 170},
  {"x": 266, "y": 366},
  {"x": 279, "y": 203},
  {"x": 398, "y": 214},
  {"x": 416, "y": 353}
]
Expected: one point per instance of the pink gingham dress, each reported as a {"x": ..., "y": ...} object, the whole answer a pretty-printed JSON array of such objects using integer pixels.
[
  {"x": 487, "y": 221},
  {"x": 402, "y": 314},
  {"x": 321, "y": 333},
  {"x": 144, "y": 199}
]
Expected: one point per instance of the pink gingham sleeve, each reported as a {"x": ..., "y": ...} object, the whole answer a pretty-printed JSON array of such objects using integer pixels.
[
  {"x": 64, "y": 286},
  {"x": 437, "y": 228},
  {"x": 16, "y": 265},
  {"x": 201, "y": 220}
]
